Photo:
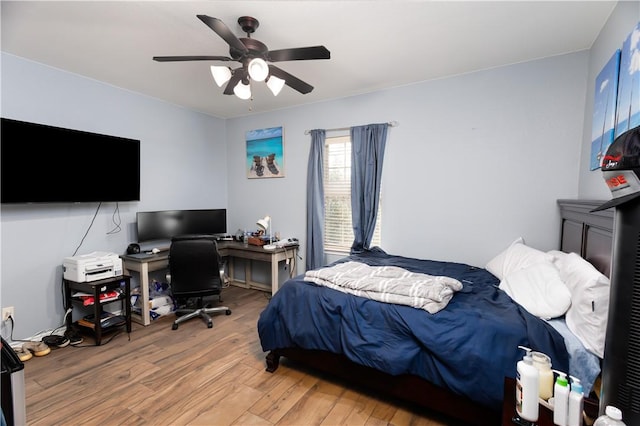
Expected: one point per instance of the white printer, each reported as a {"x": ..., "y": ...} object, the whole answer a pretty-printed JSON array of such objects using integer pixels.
[{"x": 93, "y": 266}]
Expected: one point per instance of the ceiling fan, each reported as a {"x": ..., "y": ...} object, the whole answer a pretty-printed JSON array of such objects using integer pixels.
[{"x": 253, "y": 56}]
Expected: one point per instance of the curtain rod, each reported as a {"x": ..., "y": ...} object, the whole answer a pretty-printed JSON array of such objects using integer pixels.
[{"x": 390, "y": 123}]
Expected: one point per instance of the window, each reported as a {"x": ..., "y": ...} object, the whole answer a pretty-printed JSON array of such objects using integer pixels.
[{"x": 338, "y": 230}]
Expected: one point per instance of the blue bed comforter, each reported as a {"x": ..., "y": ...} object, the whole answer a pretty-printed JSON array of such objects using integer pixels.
[{"x": 469, "y": 347}]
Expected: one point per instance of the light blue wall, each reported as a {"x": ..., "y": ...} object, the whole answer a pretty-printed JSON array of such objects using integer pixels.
[
  {"x": 476, "y": 161},
  {"x": 183, "y": 165}
]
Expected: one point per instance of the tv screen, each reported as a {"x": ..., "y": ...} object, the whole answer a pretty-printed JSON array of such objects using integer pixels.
[
  {"x": 47, "y": 164},
  {"x": 163, "y": 225}
]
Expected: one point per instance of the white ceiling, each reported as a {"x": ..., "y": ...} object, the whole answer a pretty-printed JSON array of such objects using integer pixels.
[{"x": 374, "y": 44}]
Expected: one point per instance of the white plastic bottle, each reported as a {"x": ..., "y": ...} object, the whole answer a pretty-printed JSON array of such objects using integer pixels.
[
  {"x": 612, "y": 417},
  {"x": 576, "y": 401},
  {"x": 543, "y": 363},
  {"x": 527, "y": 384},
  {"x": 560, "y": 399}
]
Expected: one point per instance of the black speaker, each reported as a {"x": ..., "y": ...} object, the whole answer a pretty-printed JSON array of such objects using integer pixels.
[
  {"x": 620, "y": 368},
  {"x": 133, "y": 248}
]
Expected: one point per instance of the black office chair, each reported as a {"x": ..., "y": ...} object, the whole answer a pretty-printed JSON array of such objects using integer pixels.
[{"x": 196, "y": 272}]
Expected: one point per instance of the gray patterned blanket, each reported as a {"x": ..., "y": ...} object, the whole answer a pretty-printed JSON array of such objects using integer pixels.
[{"x": 388, "y": 284}]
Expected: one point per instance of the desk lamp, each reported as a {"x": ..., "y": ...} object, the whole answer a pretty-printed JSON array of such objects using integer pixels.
[{"x": 264, "y": 224}]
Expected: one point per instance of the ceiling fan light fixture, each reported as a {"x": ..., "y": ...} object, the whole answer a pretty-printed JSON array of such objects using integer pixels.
[
  {"x": 220, "y": 74},
  {"x": 275, "y": 84},
  {"x": 258, "y": 69},
  {"x": 243, "y": 91}
]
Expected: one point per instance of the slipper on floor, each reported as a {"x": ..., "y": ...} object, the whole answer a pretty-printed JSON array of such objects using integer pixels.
[
  {"x": 23, "y": 355},
  {"x": 38, "y": 348}
]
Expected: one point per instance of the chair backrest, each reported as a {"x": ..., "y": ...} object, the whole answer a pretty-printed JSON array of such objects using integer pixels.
[{"x": 194, "y": 265}]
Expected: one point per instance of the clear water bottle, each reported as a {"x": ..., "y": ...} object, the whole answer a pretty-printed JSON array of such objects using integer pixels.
[{"x": 612, "y": 417}]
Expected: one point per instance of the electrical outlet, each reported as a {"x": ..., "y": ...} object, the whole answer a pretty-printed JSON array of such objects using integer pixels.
[{"x": 7, "y": 312}]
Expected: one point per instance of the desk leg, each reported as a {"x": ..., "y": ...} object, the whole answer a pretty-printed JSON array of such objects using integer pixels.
[
  {"x": 231, "y": 268},
  {"x": 274, "y": 274},
  {"x": 144, "y": 284},
  {"x": 247, "y": 273}
]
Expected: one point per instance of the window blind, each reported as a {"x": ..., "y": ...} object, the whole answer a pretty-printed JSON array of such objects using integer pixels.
[{"x": 338, "y": 235}]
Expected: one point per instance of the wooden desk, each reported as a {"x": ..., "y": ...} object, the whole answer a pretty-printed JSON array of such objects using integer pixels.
[
  {"x": 229, "y": 249},
  {"x": 233, "y": 250}
]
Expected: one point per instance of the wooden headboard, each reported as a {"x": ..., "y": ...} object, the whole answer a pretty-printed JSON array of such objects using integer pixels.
[{"x": 589, "y": 234}]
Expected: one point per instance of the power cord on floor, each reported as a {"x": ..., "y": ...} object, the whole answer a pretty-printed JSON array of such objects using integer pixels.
[
  {"x": 55, "y": 339},
  {"x": 50, "y": 338}
]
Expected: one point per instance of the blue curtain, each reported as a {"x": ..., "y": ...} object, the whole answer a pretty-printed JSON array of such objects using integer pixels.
[
  {"x": 367, "y": 154},
  {"x": 315, "y": 201}
]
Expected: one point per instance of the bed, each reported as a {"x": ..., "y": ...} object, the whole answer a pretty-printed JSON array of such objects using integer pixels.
[{"x": 453, "y": 360}]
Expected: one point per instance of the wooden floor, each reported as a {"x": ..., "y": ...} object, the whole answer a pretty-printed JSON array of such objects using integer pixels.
[{"x": 196, "y": 376}]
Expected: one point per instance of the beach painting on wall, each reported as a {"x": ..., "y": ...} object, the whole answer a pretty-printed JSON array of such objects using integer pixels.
[
  {"x": 628, "y": 111},
  {"x": 604, "y": 110},
  {"x": 265, "y": 153}
]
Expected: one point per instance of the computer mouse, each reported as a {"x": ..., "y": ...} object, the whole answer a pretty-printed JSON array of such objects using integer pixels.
[{"x": 155, "y": 250}]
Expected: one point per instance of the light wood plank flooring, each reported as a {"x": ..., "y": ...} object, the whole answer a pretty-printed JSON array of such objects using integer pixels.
[{"x": 196, "y": 376}]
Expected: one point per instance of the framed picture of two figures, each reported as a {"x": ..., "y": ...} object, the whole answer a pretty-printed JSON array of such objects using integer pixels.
[{"x": 265, "y": 153}]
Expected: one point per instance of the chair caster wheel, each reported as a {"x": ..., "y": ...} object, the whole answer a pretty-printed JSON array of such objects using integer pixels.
[
  {"x": 228, "y": 312},
  {"x": 174, "y": 327},
  {"x": 209, "y": 325}
]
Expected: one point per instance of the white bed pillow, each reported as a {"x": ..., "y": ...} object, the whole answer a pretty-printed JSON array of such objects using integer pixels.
[
  {"x": 558, "y": 257},
  {"x": 517, "y": 256},
  {"x": 587, "y": 316},
  {"x": 539, "y": 289}
]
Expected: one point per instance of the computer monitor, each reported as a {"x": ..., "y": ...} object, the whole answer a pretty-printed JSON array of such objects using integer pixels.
[{"x": 164, "y": 225}]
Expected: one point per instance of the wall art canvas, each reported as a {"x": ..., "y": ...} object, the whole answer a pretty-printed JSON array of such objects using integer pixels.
[
  {"x": 604, "y": 110},
  {"x": 265, "y": 153},
  {"x": 628, "y": 111}
]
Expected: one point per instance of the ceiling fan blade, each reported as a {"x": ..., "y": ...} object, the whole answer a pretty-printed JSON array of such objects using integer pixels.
[
  {"x": 191, "y": 58},
  {"x": 290, "y": 80},
  {"x": 299, "y": 53},
  {"x": 223, "y": 31},
  {"x": 235, "y": 78}
]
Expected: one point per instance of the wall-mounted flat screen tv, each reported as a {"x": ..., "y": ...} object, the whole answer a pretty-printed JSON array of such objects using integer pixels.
[
  {"x": 47, "y": 164},
  {"x": 166, "y": 224}
]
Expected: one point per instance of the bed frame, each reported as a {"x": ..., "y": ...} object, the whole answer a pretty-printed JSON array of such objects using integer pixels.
[{"x": 588, "y": 234}]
